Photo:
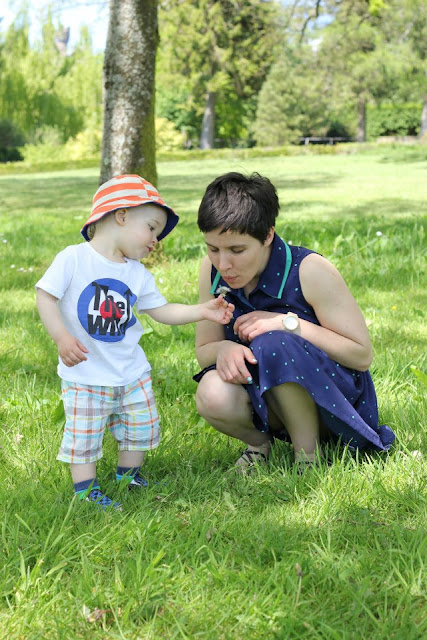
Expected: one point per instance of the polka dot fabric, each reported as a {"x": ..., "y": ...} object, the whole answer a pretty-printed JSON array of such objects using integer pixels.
[{"x": 345, "y": 398}]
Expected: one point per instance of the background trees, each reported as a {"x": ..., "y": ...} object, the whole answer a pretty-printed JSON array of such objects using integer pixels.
[
  {"x": 219, "y": 53},
  {"x": 229, "y": 73}
]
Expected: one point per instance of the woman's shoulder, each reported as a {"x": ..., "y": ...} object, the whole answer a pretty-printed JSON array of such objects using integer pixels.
[
  {"x": 313, "y": 261},
  {"x": 318, "y": 276},
  {"x": 205, "y": 267},
  {"x": 205, "y": 272}
]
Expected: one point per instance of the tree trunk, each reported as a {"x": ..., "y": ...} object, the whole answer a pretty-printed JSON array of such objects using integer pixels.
[
  {"x": 423, "y": 127},
  {"x": 361, "y": 119},
  {"x": 128, "y": 141},
  {"x": 208, "y": 122}
]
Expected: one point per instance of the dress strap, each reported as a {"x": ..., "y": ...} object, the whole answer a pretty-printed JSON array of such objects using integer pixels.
[
  {"x": 215, "y": 282},
  {"x": 287, "y": 268}
]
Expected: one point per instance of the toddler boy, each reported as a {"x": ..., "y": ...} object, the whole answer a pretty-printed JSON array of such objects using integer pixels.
[{"x": 86, "y": 300}]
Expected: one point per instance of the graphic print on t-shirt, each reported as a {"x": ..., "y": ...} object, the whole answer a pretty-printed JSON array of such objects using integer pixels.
[{"x": 105, "y": 309}]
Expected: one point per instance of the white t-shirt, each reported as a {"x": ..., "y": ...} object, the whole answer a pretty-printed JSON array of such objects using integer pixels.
[{"x": 96, "y": 297}]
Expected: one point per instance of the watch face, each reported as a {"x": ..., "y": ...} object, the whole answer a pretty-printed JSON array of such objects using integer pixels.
[{"x": 291, "y": 323}]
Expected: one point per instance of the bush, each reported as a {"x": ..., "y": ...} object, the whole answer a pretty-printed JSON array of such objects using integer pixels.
[
  {"x": 167, "y": 137},
  {"x": 10, "y": 139},
  {"x": 393, "y": 120}
]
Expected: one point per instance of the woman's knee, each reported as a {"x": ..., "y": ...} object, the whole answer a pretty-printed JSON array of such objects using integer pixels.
[{"x": 216, "y": 398}]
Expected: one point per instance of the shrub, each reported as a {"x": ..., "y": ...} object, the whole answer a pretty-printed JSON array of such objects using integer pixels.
[
  {"x": 167, "y": 137},
  {"x": 10, "y": 138},
  {"x": 393, "y": 120}
]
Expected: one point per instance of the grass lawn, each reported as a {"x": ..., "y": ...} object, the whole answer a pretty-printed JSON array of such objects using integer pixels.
[{"x": 338, "y": 553}]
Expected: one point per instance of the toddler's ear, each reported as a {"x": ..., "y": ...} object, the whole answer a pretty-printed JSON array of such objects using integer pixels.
[{"x": 120, "y": 216}]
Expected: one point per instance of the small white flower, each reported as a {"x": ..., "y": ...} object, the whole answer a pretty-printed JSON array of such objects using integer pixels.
[
  {"x": 30, "y": 269},
  {"x": 4, "y": 241},
  {"x": 12, "y": 266},
  {"x": 289, "y": 241},
  {"x": 161, "y": 280},
  {"x": 379, "y": 233},
  {"x": 21, "y": 269},
  {"x": 222, "y": 291}
]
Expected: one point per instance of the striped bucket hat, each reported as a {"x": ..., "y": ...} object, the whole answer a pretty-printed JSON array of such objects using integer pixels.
[{"x": 123, "y": 192}]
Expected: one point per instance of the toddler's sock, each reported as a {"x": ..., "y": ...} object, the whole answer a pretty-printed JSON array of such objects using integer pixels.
[
  {"x": 82, "y": 489},
  {"x": 131, "y": 476}
]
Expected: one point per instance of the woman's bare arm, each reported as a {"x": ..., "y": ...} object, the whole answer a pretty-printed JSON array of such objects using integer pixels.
[{"x": 343, "y": 333}]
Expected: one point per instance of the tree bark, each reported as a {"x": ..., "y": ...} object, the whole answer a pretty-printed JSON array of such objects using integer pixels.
[
  {"x": 361, "y": 120},
  {"x": 128, "y": 141},
  {"x": 423, "y": 127},
  {"x": 208, "y": 122}
]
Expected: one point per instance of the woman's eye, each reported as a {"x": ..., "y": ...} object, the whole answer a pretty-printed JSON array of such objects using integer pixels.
[
  {"x": 212, "y": 250},
  {"x": 237, "y": 250}
]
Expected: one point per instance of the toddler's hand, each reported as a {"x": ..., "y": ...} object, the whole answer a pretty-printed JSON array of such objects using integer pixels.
[
  {"x": 218, "y": 310},
  {"x": 71, "y": 351}
]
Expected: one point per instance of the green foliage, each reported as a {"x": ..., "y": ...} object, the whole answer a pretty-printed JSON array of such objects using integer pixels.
[
  {"x": 212, "y": 46},
  {"x": 393, "y": 120},
  {"x": 40, "y": 89},
  {"x": 291, "y": 104},
  {"x": 10, "y": 139},
  {"x": 167, "y": 137},
  {"x": 364, "y": 52}
]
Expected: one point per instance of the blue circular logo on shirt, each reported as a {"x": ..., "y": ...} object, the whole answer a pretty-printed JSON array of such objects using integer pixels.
[{"x": 105, "y": 309}]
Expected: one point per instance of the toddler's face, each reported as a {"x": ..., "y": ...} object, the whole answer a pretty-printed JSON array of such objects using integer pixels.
[{"x": 143, "y": 226}]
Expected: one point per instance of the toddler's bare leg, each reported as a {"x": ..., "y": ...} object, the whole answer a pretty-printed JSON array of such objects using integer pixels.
[
  {"x": 82, "y": 472},
  {"x": 131, "y": 459}
]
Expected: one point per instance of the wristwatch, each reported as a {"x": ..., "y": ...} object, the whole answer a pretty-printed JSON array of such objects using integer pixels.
[{"x": 290, "y": 322}]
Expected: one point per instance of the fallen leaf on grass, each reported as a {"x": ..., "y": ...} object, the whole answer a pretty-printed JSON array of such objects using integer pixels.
[
  {"x": 96, "y": 614},
  {"x": 210, "y": 534}
]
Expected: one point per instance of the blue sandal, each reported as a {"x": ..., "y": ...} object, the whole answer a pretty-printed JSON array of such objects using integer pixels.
[{"x": 102, "y": 501}]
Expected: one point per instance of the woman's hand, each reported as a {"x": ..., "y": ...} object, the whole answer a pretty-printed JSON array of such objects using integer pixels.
[
  {"x": 231, "y": 362},
  {"x": 253, "y": 324}
]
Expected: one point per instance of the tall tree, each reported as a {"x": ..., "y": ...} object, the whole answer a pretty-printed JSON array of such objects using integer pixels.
[
  {"x": 223, "y": 49},
  {"x": 128, "y": 144}
]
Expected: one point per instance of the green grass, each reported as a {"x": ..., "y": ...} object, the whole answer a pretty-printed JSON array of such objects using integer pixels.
[{"x": 339, "y": 553}]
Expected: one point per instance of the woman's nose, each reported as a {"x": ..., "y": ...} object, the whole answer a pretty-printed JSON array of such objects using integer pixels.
[{"x": 224, "y": 262}]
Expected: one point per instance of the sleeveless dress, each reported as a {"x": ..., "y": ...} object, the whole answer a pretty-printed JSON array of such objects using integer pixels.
[{"x": 345, "y": 398}]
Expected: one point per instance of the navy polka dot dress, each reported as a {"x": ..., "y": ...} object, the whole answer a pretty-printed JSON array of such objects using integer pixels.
[{"x": 345, "y": 398}]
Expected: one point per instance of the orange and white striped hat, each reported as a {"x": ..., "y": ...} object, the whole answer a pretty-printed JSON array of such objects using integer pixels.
[{"x": 122, "y": 192}]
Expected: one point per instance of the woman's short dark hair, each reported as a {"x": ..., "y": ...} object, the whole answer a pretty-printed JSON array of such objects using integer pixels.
[{"x": 235, "y": 202}]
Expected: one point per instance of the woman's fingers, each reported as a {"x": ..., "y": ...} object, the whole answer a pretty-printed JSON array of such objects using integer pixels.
[{"x": 234, "y": 369}]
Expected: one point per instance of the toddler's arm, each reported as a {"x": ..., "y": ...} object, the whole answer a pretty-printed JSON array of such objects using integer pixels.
[
  {"x": 71, "y": 351},
  {"x": 217, "y": 310}
]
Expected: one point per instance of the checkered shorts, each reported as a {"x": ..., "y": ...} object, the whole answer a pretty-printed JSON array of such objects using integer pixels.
[{"x": 129, "y": 412}]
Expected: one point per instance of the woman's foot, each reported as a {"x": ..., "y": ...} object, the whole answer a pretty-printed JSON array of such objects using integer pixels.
[
  {"x": 305, "y": 460},
  {"x": 253, "y": 456}
]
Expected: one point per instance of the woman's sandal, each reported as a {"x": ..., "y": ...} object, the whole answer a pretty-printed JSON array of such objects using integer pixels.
[
  {"x": 253, "y": 457},
  {"x": 304, "y": 463}
]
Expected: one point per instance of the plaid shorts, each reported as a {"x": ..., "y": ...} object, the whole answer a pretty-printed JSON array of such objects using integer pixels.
[{"x": 129, "y": 412}]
